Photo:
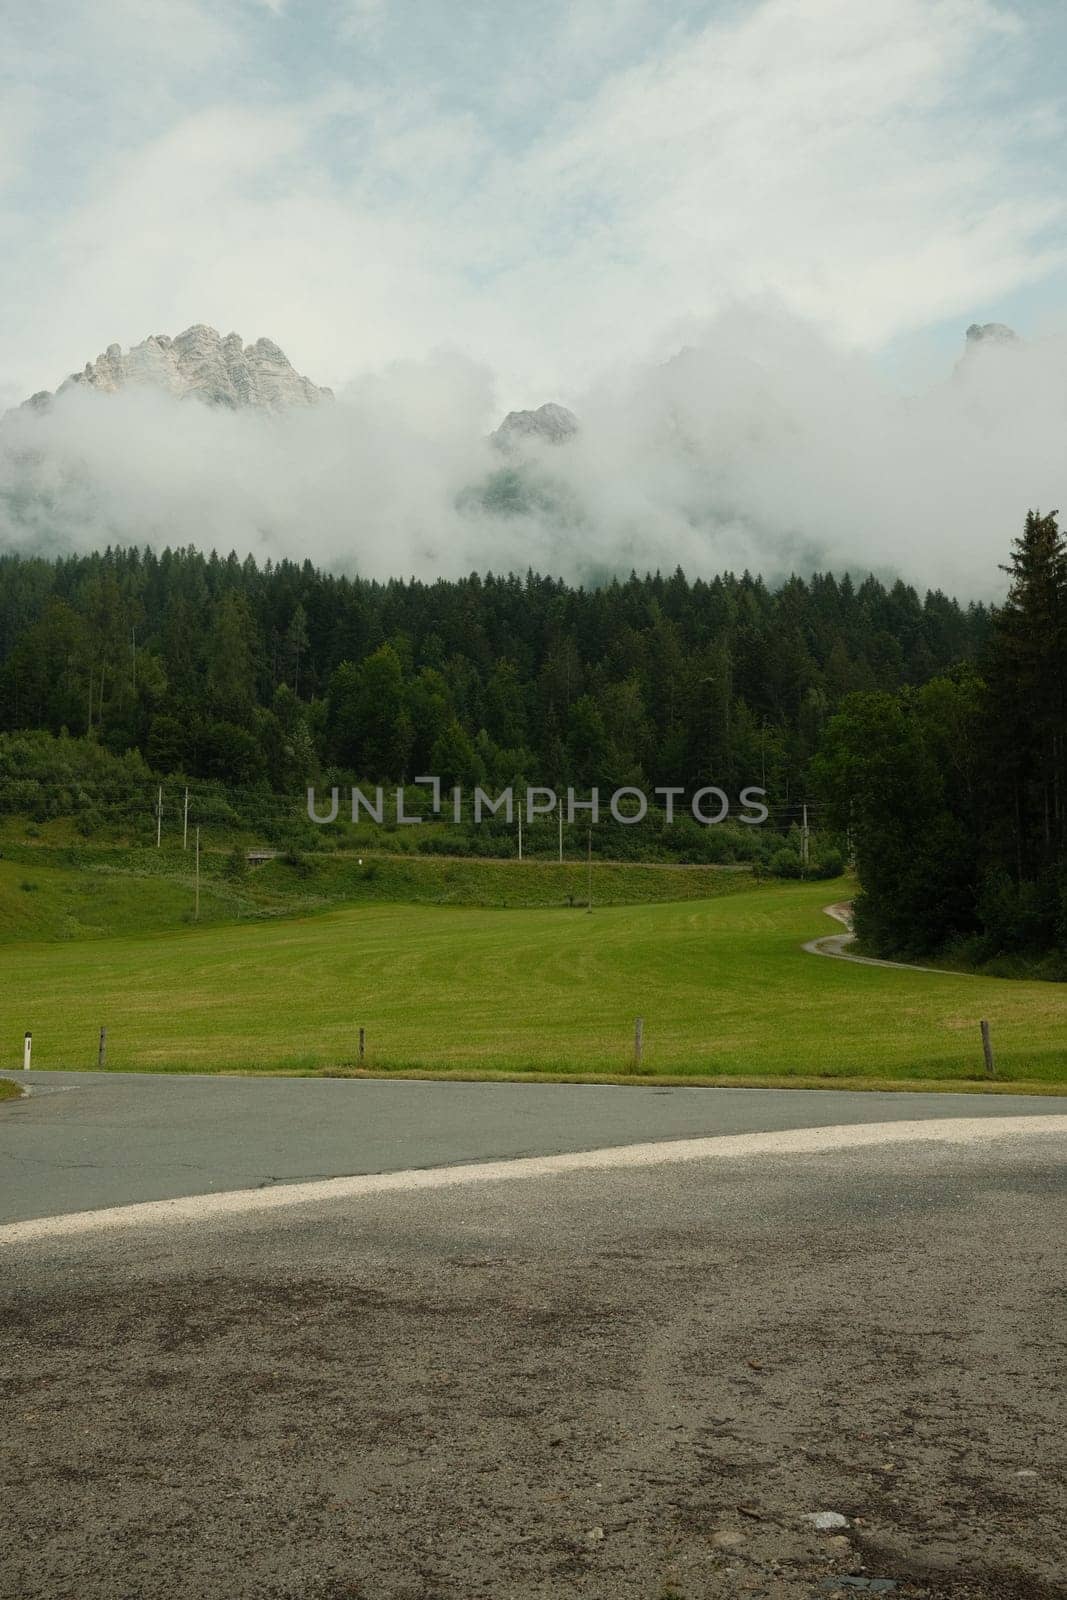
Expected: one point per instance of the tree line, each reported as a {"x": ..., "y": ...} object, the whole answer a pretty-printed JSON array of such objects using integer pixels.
[
  {"x": 281, "y": 674},
  {"x": 955, "y": 791},
  {"x": 930, "y": 735}
]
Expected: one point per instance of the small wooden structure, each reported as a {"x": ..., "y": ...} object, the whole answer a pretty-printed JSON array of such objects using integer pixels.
[{"x": 256, "y": 858}]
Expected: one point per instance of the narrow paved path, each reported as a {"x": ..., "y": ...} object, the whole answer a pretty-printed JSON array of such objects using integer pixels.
[{"x": 836, "y": 945}]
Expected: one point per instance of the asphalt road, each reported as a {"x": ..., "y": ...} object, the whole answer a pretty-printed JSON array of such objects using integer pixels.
[
  {"x": 612, "y": 1384},
  {"x": 84, "y": 1140}
]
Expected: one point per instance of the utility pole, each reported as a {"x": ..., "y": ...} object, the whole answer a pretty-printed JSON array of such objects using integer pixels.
[
  {"x": 561, "y": 835},
  {"x": 159, "y": 816},
  {"x": 196, "y": 914},
  {"x": 185, "y": 821},
  {"x": 589, "y": 871},
  {"x": 520, "y": 832},
  {"x": 804, "y": 842}
]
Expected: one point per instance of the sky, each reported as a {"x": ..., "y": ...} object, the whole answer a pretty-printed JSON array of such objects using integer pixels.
[
  {"x": 492, "y": 205},
  {"x": 547, "y": 189}
]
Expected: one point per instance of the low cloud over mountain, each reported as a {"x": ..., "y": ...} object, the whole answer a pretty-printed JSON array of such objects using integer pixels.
[{"x": 759, "y": 444}]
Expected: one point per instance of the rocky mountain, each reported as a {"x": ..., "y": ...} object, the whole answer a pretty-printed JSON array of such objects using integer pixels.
[
  {"x": 200, "y": 364},
  {"x": 985, "y": 339},
  {"x": 552, "y": 423},
  {"x": 991, "y": 333}
]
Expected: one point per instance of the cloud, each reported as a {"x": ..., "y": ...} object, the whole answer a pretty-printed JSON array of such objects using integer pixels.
[
  {"x": 362, "y": 19},
  {"x": 544, "y": 191},
  {"x": 761, "y": 444},
  {"x": 444, "y": 220}
]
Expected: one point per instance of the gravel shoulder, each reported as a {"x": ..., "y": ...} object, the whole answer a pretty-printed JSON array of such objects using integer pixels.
[{"x": 606, "y": 1384}]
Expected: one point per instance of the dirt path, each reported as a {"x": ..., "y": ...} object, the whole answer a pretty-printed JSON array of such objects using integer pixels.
[{"x": 834, "y": 944}]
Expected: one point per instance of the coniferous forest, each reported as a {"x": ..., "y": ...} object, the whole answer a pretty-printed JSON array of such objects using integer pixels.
[{"x": 926, "y": 734}]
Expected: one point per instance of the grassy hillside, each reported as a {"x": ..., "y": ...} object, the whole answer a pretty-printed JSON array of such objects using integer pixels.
[
  {"x": 75, "y": 892},
  {"x": 723, "y": 985}
]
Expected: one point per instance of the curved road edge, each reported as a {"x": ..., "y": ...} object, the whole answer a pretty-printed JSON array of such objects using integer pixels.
[{"x": 196, "y": 1209}]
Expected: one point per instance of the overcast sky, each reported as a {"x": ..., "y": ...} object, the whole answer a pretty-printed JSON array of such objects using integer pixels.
[{"x": 550, "y": 190}]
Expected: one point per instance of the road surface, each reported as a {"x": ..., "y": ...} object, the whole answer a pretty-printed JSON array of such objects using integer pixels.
[{"x": 84, "y": 1140}]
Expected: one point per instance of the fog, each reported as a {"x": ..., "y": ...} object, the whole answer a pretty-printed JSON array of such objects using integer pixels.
[{"x": 758, "y": 445}]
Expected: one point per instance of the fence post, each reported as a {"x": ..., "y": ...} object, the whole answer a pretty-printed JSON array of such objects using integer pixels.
[
  {"x": 27, "y": 1046},
  {"x": 101, "y": 1055},
  {"x": 987, "y": 1047},
  {"x": 362, "y": 1045}
]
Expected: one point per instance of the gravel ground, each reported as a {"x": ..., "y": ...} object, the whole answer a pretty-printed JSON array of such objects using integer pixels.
[{"x": 605, "y": 1385}]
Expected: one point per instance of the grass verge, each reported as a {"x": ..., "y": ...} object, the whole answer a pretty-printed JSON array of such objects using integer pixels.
[{"x": 642, "y": 1080}]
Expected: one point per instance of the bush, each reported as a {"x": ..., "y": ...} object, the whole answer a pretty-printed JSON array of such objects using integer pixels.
[
  {"x": 236, "y": 863},
  {"x": 784, "y": 864},
  {"x": 830, "y": 865}
]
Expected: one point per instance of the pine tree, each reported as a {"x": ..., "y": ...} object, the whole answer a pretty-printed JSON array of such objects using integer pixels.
[{"x": 1028, "y": 691}]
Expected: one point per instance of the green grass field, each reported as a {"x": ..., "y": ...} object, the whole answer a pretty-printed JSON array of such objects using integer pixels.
[
  {"x": 722, "y": 984},
  {"x": 85, "y": 892}
]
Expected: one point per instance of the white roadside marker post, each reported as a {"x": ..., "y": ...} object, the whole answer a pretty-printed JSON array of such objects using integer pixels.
[{"x": 27, "y": 1047}]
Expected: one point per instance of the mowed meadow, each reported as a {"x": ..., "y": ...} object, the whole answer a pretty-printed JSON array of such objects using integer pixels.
[{"x": 723, "y": 985}]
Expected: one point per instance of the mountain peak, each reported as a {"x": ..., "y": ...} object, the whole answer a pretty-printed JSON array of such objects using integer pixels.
[
  {"x": 200, "y": 364},
  {"x": 991, "y": 333},
  {"x": 551, "y": 422}
]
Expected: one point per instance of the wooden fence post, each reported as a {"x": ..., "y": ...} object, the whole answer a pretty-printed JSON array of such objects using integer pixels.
[
  {"x": 362, "y": 1045},
  {"x": 987, "y": 1047}
]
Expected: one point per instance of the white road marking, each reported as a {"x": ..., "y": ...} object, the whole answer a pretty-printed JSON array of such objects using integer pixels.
[{"x": 729, "y": 1147}]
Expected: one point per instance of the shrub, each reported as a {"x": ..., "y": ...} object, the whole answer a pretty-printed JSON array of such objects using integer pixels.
[
  {"x": 236, "y": 863},
  {"x": 784, "y": 864}
]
